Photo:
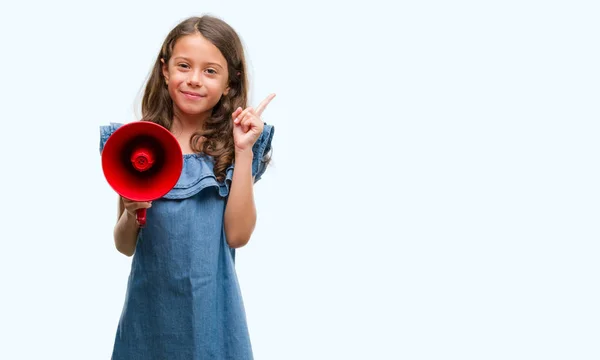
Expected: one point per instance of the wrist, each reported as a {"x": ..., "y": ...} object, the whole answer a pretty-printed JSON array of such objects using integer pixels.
[{"x": 245, "y": 154}]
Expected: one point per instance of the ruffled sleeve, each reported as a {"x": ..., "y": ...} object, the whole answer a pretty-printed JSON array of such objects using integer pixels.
[
  {"x": 106, "y": 131},
  {"x": 260, "y": 150}
]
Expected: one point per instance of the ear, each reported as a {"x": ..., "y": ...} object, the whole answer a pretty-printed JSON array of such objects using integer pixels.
[
  {"x": 165, "y": 69},
  {"x": 226, "y": 91}
]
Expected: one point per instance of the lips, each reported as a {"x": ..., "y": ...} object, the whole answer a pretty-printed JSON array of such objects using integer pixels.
[{"x": 192, "y": 95}]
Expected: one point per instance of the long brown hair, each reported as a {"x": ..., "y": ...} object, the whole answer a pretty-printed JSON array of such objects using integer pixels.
[{"x": 216, "y": 137}]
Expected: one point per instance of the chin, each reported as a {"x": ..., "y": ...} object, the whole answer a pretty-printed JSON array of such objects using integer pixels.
[{"x": 192, "y": 110}]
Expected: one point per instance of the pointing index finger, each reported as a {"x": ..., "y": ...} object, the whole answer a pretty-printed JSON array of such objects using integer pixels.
[{"x": 261, "y": 107}]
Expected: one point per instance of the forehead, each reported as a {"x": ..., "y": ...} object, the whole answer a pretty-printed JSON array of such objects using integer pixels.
[{"x": 197, "y": 48}]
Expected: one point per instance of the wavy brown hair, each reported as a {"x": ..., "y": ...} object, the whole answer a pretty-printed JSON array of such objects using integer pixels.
[{"x": 216, "y": 137}]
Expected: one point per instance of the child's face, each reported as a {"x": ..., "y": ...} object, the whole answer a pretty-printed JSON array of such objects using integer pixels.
[{"x": 196, "y": 75}]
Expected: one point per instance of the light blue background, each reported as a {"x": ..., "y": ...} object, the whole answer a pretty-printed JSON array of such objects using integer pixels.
[{"x": 434, "y": 192}]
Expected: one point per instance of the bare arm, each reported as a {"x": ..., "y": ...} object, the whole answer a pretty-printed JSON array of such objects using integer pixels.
[
  {"x": 126, "y": 231},
  {"x": 240, "y": 213}
]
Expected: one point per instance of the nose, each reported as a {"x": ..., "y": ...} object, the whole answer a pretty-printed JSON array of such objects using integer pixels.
[{"x": 195, "y": 78}]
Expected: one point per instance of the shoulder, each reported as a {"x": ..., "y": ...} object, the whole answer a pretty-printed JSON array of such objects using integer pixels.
[
  {"x": 260, "y": 150},
  {"x": 106, "y": 131},
  {"x": 263, "y": 143}
]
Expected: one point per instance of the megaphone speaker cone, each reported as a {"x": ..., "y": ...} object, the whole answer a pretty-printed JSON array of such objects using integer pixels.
[{"x": 142, "y": 161}]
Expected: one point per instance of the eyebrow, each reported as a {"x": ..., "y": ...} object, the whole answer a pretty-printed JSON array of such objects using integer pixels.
[{"x": 208, "y": 63}]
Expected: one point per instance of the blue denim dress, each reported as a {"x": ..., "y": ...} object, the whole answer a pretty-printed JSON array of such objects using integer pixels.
[{"x": 183, "y": 299}]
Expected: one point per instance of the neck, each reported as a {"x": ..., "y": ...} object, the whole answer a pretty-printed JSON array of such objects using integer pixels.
[{"x": 187, "y": 124}]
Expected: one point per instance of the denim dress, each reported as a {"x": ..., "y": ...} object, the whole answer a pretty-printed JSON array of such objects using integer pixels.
[{"x": 183, "y": 299}]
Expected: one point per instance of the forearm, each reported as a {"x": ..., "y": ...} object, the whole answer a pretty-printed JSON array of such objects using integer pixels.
[
  {"x": 240, "y": 213},
  {"x": 125, "y": 233}
]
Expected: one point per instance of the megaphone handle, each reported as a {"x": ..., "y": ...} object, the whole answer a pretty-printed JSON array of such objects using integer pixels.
[{"x": 140, "y": 215}]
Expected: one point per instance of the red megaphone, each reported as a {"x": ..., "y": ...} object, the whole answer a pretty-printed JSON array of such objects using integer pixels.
[{"x": 142, "y": 161}]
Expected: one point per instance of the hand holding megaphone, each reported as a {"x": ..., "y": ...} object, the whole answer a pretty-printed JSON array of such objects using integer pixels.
[{"x": 137, "y": 209}]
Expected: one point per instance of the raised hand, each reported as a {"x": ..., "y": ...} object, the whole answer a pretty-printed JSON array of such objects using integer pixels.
[{"x": 247, "y": 125}]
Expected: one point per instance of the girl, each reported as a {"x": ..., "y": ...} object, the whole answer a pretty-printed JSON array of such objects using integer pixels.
[{"x": 183, "y": 300}]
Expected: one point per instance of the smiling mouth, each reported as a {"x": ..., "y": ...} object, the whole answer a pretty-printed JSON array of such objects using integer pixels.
[{"x": 192, "y": 95}]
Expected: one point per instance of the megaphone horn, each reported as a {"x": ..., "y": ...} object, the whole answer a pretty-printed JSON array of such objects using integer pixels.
[{"x": 142, "y": 161}]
